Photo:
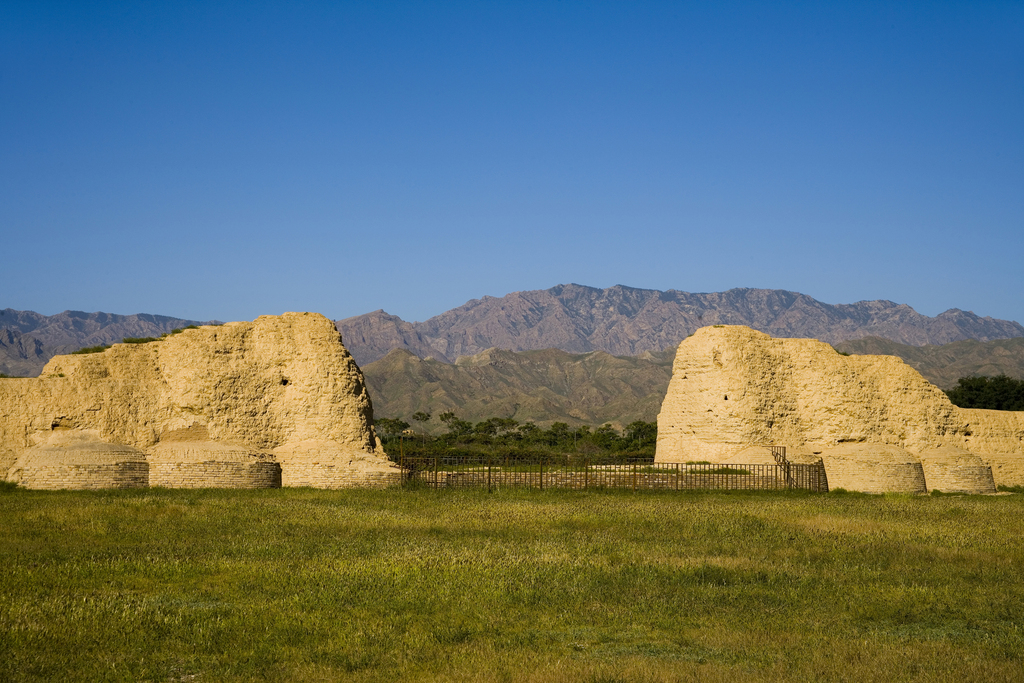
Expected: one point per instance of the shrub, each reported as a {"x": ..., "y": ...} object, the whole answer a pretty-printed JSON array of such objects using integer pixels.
[{"x": 91, "y": 349}]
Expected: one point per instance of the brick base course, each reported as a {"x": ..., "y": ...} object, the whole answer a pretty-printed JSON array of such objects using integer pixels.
[
  {"x": 328, "y": 476},
  {"x": 123, "y": 475},
  {"x": 230, "y": 475}
]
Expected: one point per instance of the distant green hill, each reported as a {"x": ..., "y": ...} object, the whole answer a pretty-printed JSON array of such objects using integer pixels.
[
  {"x": 530, "y": 386},
  {"x": 944, "y": 365}
]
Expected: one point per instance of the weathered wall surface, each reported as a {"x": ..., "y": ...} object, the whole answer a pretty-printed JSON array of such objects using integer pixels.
[
  {"x": 258, "y": 385},
  {"x": 732, "y": 387}
]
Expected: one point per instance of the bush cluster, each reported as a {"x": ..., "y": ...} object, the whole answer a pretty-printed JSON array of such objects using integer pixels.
[
  {"x": 993, "y": 393},
  {"x": 133, "y": 340}
]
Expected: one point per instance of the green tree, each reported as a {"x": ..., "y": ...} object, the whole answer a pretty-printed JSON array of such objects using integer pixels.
[
  {"x": 456, "y": 427},
  {"x": 530, "y": 432},
  {"x": 605, "y": 437},
  {"x": 423, "y": 418},
  {"x": 559, "y": 435},
  {"x": 496, "y": 427},
  {"x": 640, "y": 434},
  {"x": 993, "y": 393},
  {"x": 390, "y": 426}
]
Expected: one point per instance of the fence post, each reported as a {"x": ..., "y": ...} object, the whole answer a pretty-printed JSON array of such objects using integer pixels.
[
  {"x": 586, "y": 473},
  {"x": 436, "y": 463},
  {"x": 490, "y": 461},
  {"x": 542, "y": 474}
]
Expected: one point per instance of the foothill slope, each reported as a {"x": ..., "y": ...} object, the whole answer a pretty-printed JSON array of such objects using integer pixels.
[{"x": 531, "y": 386}]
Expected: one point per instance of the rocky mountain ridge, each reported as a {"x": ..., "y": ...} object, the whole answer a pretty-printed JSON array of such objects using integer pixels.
[{"x": 627, "y": 321}]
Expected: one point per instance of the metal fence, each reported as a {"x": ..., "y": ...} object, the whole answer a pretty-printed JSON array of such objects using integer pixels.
[{"x": 495, "y": 473}]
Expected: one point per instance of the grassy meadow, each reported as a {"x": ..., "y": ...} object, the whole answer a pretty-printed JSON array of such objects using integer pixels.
[{"x": 462, "y": 585}]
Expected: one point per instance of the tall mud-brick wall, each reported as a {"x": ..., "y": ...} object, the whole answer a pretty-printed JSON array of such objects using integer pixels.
[
  {"x": 254, "y": 392},
  {"x": 733, "y": 387}
]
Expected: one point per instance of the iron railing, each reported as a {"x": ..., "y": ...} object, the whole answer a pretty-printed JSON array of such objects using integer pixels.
[{"x": 495, "y": 472}]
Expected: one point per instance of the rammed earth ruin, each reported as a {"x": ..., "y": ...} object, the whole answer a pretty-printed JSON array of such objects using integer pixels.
[
  {"x": 277, "y": 401},
  {"x": 875, "y": 422},
  {"x": 280, "y": 402}
]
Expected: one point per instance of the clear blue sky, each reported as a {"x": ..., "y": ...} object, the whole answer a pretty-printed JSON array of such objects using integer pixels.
[{"x": 225, "y": 160}]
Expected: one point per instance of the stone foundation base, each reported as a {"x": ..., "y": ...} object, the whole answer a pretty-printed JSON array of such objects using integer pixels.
[
  {"x": 226, "y": 475},
  {"x": 872, "y": 468},
  {"x": 959, "y": 478},
  {"x": 124, "y": 475},
  {"x": 1007, "y": 468},
  {"x": 338, "y": 476}
]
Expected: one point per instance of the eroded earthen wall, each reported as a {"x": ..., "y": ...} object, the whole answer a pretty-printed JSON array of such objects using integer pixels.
[
  {"x": 275, "y": 381},
  {"x": 733, "y": 387}
]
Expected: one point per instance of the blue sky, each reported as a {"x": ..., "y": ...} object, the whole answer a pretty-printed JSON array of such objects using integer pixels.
[{"x": 226, "y": 160}]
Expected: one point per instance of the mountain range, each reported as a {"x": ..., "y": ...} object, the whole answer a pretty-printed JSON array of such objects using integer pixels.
[
  {"x": 571, "y": 353},
  {"x": 626, "y": 321}
]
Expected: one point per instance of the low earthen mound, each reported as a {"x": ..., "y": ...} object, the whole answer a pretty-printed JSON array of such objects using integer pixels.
[
  {"x": 954, "y": 470},
  {"x": 209, "y": 464},
  {"x": 80, "y": 460},
  {"x": 323, "y": 464},
  {"x": 1007, "y": 468},
  {"x": 802, "y": 455},
  {"x": 873, "y": 468}
]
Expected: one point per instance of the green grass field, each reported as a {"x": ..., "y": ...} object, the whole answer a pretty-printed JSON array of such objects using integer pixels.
[{"x": 414, "y": 584}]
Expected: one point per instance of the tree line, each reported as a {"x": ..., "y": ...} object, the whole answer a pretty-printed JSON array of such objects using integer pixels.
[
  {"x": 505, "y": 436},
  {"x": 994, "y": 393}
]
